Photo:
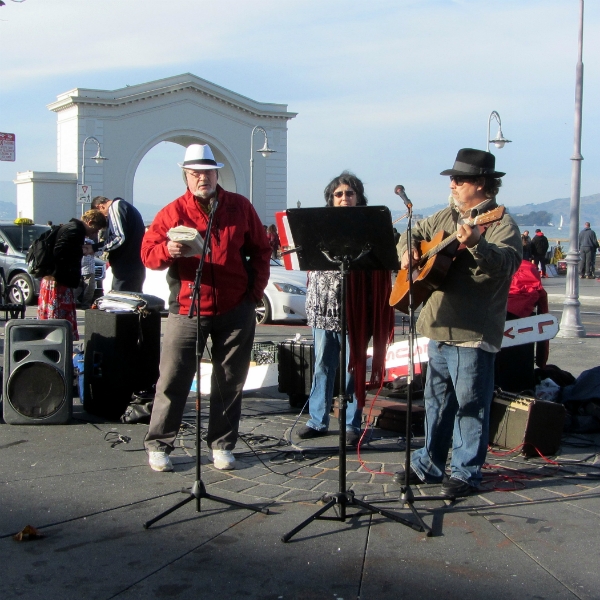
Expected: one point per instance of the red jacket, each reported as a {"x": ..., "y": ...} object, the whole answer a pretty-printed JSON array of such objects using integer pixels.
[
  {"x": 527, "y": 294},
  {"x": 227, "y": 277}
]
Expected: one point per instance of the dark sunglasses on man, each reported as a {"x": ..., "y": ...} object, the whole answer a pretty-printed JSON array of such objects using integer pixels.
[{"x": 459, "y": 179}]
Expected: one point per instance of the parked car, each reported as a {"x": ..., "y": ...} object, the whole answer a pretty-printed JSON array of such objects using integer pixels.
[
  {"x": 284, "y": 298},
  {"x": 15, "y": 239}
]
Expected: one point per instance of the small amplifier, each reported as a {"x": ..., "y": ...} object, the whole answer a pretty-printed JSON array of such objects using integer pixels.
[{"x": 520, "y": 420}]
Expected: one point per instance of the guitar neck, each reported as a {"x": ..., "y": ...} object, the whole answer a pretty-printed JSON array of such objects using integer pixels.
[
  {"x": 433, "y": 251},
  {"x": 493, "y": 215}
]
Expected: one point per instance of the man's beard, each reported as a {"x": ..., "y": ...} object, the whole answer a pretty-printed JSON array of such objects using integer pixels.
[{"x": 204, "y": 195}]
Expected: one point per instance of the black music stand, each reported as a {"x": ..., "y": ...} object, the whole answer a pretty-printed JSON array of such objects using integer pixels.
[
  {"x": 198, "y": 489},
  {"x": 344, "y": 238}
]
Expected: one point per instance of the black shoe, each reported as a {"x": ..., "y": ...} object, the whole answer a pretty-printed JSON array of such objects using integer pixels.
[
  {"x": 413, "y": 478},
  {"x": 455, "y": 488},
  {"x": 307, "y": 433},
  {"x": 352, "y": 438}
]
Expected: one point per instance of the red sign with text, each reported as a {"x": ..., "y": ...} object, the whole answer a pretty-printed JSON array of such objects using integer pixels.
[{"x": 7, "y": 146}]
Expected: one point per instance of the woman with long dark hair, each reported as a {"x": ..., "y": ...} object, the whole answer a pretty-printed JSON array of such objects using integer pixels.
[{"x": 369, "y": 314}]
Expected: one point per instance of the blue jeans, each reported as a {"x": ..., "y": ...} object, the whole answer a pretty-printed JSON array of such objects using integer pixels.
[
  {"x": 458, "y": 396},
  {"x": 327, "y": 359}
]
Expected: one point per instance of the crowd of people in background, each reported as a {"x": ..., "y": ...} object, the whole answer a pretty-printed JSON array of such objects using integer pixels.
[{"x": 537, "y": 250}]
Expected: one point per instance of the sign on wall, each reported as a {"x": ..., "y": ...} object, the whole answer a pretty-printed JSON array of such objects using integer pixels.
[
  {"x": 7, "y": 146},
  {"x": 84, "y": 194}
]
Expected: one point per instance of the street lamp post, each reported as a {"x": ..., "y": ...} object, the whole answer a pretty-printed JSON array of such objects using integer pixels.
[
  {"x": 98, "y": 158},
  {"x": 499, "y": 140},
  {"x": 265, "y": 151},
  {"x": 570, "y": 324}
]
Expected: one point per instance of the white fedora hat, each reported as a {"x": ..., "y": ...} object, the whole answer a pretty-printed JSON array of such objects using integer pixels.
[{"x": 199, "y": 157}]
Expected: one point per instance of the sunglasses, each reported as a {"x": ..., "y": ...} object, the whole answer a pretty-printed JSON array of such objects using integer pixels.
[
  {"x": 348, "y": 194},
  {"x": 458, "y": 180}
]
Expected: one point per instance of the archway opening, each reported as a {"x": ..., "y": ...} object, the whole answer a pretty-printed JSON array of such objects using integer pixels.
[{"x": 158, "y": 179}]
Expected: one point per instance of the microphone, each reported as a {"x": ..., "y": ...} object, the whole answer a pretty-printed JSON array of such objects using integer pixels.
[{"x": 399, "y": 191}]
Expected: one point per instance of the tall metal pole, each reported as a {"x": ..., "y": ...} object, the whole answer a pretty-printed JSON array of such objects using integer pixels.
[
  {"x": 83, "y": 171},
  {"x": 487, "y": 137},
  {"x": 570, "y": 324},
  {"x": 265, "y": 151},
  {"x": 252, "y": 163},
  {"x": 98, "y": 158}
]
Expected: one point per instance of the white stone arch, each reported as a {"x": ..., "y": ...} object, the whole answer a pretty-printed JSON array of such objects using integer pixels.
[
  {"x": 231, "y": 177},
  {"x": 183, "y": 109}
]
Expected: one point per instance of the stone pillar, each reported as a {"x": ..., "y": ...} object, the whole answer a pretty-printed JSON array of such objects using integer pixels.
[{"x": 44, "y": 196}]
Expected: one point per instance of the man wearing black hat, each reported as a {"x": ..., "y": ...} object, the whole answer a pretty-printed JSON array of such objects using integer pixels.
[{"x": 464, "y": 320}]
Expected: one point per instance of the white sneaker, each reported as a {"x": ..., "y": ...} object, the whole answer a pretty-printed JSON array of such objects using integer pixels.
[
  {"x": 160, "y": 461},
  {"x": 223, "y": 460}
]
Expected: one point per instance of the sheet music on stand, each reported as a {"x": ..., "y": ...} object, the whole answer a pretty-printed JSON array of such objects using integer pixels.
[{"x": 310, "y": 230}]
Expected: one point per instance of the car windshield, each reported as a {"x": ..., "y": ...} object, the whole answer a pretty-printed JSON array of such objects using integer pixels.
[{"x": 22, "y": 236}]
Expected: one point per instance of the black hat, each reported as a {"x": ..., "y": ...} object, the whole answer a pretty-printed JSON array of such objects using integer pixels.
[{"x": 474, "y": 163}]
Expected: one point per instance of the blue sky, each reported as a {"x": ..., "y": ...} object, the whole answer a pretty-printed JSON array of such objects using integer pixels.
[{"x": 388, "y": 89}]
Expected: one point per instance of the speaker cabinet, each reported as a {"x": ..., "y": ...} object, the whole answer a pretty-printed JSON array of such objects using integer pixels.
[
  {"x": 526, "y": 423},
  {"x": 38, "y": 372},
  {"x": 122, "y": 354}
]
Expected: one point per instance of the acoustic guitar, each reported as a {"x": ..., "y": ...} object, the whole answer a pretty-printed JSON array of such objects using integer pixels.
[{"x": 430, "y": 270}]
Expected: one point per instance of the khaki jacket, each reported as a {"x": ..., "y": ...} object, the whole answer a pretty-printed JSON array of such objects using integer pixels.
[{"x": 470, "y": 305}]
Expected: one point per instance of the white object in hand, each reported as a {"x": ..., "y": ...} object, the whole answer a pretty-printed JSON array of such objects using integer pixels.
[{"x": 187, "y": 236}]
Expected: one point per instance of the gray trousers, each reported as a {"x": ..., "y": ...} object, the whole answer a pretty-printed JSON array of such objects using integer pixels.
[
  {"x": 588, "y": 261},
  {"x": 232, "y": 336}
]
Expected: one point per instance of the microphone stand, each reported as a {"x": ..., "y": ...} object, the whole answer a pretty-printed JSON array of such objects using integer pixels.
[
  {"x": 198, "y": 489},
  {"x": 406, "y": 493}
]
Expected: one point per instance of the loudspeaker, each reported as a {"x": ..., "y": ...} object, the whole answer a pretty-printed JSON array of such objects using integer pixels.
[
  {"x": 536, "y": 424},
  {"x": 122, "y": 354},
  {"x": 38, "y": 372}
]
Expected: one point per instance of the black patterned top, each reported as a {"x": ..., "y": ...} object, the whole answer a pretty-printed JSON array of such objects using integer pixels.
[{"x": 323, "y": 298}]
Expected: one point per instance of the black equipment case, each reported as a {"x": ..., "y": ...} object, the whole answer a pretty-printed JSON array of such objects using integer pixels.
[
  {"x": 295, "y": 369},
  {"x": 122, "y": 353}
]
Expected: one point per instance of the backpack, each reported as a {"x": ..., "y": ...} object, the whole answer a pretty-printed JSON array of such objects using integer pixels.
[{"x": 40, "y": 255}]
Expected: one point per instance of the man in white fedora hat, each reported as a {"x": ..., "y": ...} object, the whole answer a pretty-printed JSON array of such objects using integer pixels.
[{"x": 234, "y": 277}]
